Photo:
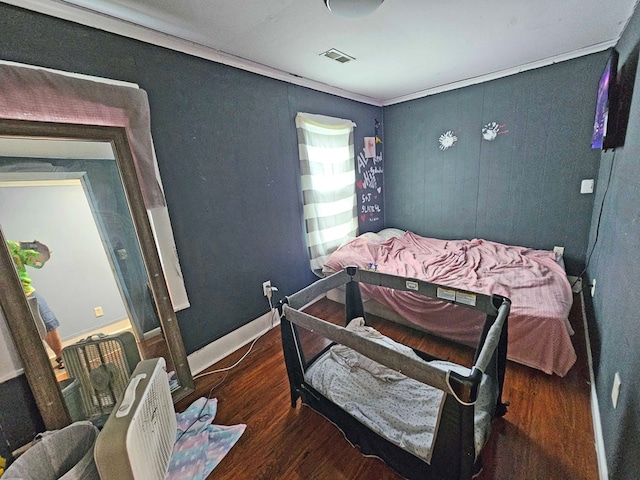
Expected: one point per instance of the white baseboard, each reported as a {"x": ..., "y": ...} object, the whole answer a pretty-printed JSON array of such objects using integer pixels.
[
  {"x": 217, "y": 350},
  {"x": 595, "y": 410}
]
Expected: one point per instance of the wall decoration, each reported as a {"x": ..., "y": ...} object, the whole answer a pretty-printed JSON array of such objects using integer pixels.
[
  {"x": 369, "y": 147},
  {"x": 447, "y": 140},
  {"x": 491, "y": 131}
]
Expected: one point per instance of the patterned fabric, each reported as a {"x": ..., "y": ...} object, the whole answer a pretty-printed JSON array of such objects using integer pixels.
[{"x": 200, "y": 446}]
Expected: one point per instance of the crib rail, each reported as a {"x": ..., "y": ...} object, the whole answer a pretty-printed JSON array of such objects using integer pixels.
[{"x": 463, "y": 388}]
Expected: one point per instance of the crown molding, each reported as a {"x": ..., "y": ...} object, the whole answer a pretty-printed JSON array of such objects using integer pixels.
[
  {"x": 502, "y": 73},
  {"x": 109, "y": 23}
]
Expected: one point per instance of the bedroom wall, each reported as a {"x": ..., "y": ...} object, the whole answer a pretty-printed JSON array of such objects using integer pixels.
[
  {"x": 522, "y": 188},
  {"x": 614, "y": 321},
  {"x": 227, "y": 151},
  {"x": 60, "y": 216}
]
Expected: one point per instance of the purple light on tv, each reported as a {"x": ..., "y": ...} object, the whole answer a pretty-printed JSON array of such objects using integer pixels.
[{"x": 602, "y": 109}]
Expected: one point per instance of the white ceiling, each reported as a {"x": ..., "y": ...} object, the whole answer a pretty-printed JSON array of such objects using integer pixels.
[{"x": 405, "y": 49}]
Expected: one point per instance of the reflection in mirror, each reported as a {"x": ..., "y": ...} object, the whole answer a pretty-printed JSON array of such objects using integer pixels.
[{"x": 70, "y": 196}]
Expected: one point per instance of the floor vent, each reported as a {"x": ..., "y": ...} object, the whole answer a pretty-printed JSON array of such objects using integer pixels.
[{"x": 337, "y": 55}]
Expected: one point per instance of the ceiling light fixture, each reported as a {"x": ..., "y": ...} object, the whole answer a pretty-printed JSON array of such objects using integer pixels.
[{"x": 352, "y": 8}]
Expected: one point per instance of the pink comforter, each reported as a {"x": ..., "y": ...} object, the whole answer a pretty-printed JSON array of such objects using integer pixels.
[{"x": 539, "y": 330}]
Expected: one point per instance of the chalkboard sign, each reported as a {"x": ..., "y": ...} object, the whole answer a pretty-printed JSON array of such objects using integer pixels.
[{"x": 369, "y": 185}]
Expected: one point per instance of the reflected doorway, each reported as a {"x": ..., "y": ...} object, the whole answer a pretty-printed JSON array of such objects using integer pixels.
[{"x": 80, "y": 282}]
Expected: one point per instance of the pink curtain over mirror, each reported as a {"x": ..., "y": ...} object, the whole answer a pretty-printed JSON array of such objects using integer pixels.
[{"x": 40, "y": 95}]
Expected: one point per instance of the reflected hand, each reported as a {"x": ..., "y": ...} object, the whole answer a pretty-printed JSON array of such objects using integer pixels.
[{"x": 41, "y": 248}]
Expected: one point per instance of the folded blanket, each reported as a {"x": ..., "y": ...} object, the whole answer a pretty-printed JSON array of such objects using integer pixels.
[{"x": 200, "y": 446}]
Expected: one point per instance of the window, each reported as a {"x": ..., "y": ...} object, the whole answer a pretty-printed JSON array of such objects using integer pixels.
[{"x": 327, "y": 170}]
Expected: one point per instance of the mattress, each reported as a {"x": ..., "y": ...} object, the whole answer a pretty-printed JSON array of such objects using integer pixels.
[
  {"x": 539, "y": 330},
  {"x": 366, "y": 390}
]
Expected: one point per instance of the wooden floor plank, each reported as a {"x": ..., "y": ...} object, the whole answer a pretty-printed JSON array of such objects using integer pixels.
[{"x": 546, "y": 434}]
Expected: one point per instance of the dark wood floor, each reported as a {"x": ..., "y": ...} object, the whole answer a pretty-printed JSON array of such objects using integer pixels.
[{"x": 547, "y": 433}]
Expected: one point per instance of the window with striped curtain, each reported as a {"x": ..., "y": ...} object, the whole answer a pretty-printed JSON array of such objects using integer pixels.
[{"x": 327, "y": 166}]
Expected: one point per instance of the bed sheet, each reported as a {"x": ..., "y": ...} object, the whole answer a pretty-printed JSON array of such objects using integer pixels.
[
  {"x": 366, "y": 389},
  {"x": 539, "y": 330}
]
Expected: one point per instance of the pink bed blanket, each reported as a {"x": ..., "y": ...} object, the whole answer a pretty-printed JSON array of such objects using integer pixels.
[{"x": 541, "y": 297}]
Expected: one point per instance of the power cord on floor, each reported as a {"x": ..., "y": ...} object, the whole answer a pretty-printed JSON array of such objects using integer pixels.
[
  {"x": 226, "y": 369},
  {"x": 200, "y": 416}
]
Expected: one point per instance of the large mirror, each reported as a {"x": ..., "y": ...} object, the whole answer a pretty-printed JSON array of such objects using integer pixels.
[{"x": 75, "y": 188}]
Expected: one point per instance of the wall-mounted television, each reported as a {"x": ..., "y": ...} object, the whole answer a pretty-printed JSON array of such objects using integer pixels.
[
  {"x": 604, "y": 125},
  {"x": 624, "y": 94}
]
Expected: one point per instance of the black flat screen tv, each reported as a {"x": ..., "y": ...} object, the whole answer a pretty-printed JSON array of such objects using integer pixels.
[{"x": 604, "y": 125}]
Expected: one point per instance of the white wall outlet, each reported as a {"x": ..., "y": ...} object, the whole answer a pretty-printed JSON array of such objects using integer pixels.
[
  {"x": 559, "y": 251},
  {"x": 586, "y": 186},
  {"x": 615, "y": 390},
  {"x": 593, "y": 288},
  {"x": 98, "y": 311},
  {"x": 266, "y": 288}
]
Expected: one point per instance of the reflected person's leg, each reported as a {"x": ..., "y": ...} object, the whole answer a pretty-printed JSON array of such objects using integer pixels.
[
  {"x": 53, "y": 340},
  {"x": 51, "y": 323}
]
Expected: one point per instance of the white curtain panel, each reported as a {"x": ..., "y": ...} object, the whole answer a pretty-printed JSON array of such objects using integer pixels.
[{"x": 327, "y": 167}]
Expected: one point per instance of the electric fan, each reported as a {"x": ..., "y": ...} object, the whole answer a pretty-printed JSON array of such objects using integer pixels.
[{"x": 102, "y": 365}]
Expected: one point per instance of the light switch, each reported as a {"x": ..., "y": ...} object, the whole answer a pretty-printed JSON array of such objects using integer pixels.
[
  {"x": 615, "y": 390},
  {"x": 587, "y": 186}
]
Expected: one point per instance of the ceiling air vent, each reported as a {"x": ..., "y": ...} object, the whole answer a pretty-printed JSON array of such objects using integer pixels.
[{"x": 337, "y": 55}]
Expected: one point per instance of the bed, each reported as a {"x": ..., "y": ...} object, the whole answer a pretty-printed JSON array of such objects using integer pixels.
[
  {"x": 534, "y": 281},
  {"x": 441, "y": 413}
]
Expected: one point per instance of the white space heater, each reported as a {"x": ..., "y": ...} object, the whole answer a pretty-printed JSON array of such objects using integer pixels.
[{"x": 137, "y": 440}]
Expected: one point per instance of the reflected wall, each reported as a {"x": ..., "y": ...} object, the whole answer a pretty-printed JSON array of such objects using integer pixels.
[{"x": 107, "y": 199}]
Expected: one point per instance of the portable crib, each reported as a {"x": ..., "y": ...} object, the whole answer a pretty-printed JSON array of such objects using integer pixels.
[{"x": 468, "y": 395}]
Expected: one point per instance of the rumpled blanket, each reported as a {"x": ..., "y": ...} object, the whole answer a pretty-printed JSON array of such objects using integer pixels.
[
  {"x": 541, "y": 297},
  {"x": 200, "y": 445},
  {"x": 352, "y": 359}
]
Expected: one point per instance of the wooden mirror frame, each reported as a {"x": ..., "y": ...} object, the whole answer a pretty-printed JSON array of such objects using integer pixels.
[{"x": 13, "y": 302}]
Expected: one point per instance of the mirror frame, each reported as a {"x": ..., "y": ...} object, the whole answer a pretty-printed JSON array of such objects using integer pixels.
[{"x": 13, "y": 302}]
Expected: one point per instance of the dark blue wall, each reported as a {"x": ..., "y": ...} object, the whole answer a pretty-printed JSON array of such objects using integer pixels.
[
  {"x": 614, "y": 313},
  {"x": 20, "y": 420},
  {"x": 227, "y": 151},
  {"x": 523, "y": 188}
]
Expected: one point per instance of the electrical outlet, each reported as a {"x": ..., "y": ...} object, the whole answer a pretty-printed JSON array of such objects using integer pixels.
[
  {"x": 266, "y": 288},
  {"x": 576, "y": 283},
  {"x": 615, "y": 390},
  {"x": 98, "y": 311},
  {"x": 593, "y": 288},
  {"x": 586, "y": 186}
]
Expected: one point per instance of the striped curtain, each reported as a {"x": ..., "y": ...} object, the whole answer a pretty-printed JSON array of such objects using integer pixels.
[{"x": 327, "y": 166}]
